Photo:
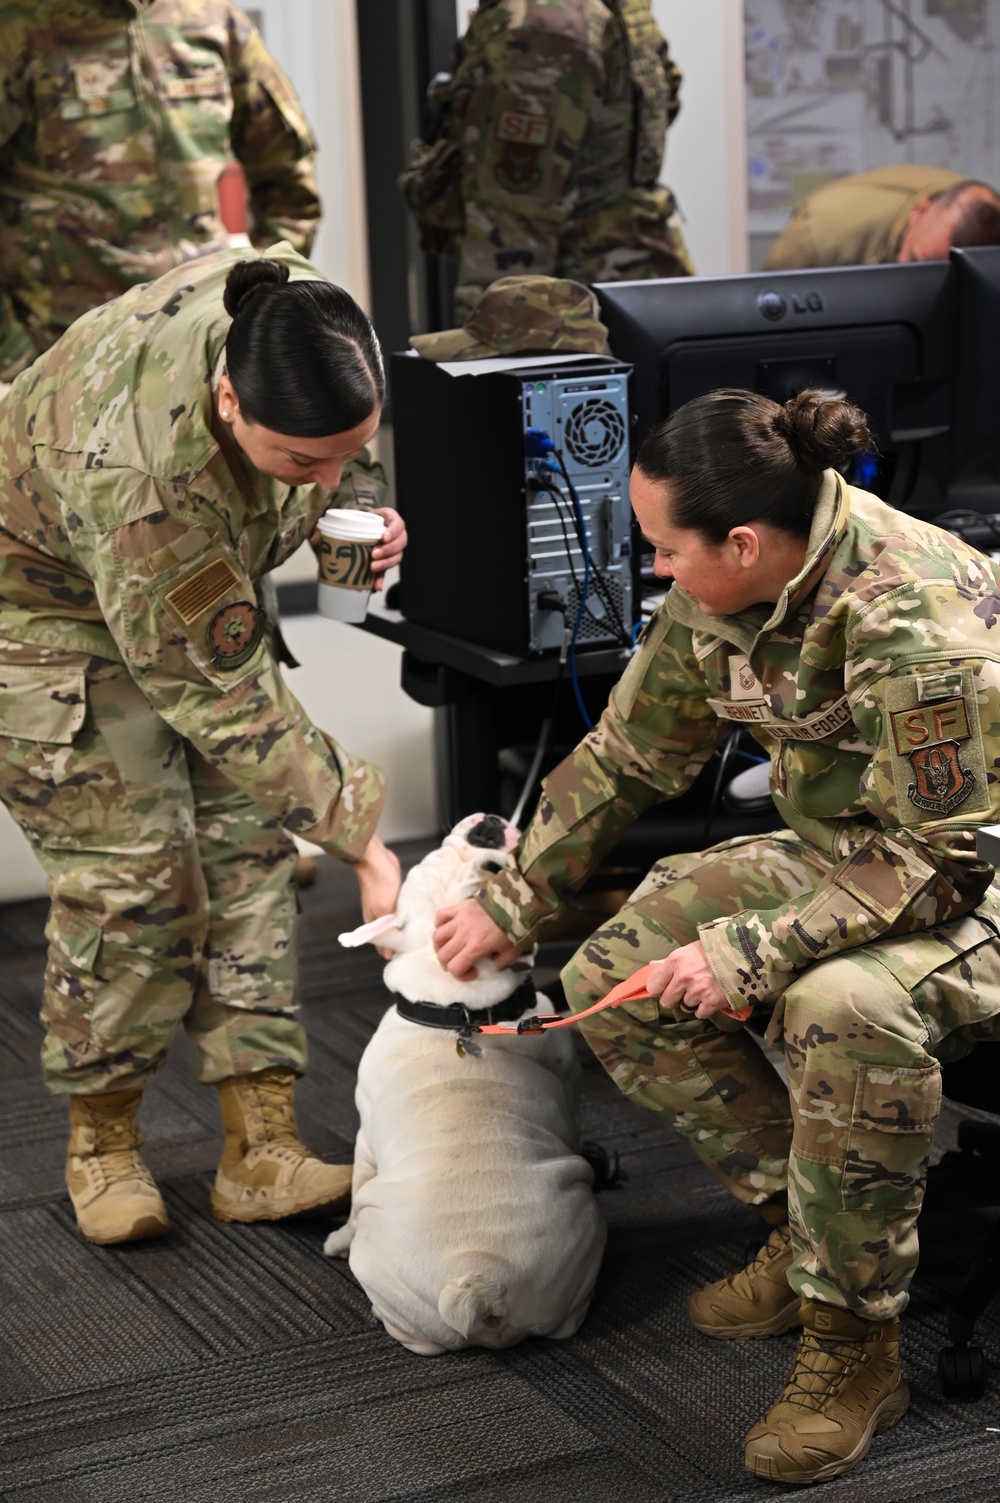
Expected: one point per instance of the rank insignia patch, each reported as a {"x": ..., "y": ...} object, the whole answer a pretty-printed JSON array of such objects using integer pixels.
[
  {"x": 234, "y": 633},
  {"x": 941, "y": 783}
]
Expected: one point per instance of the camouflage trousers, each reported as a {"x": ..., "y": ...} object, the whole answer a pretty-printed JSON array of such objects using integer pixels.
[
  {"x": 863, "y": 1034},
  {"x": 172, "y": 895}
]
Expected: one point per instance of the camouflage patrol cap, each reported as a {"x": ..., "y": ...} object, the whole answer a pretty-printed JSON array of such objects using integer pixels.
[{"x": 523, "y": 315}]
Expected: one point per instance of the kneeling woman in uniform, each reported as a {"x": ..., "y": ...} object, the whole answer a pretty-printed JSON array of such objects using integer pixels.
[
  {"x": 174, "y": 446},
  {"x": 861, "y": 649}
]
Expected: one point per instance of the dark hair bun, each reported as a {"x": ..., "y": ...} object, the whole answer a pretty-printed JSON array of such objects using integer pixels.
[
  {"x": 824, "y": 430},
  {"x": 247, "y": 278}
]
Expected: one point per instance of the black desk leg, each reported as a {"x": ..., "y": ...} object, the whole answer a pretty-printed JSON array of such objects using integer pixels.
[{"x": 466, "y": 760}]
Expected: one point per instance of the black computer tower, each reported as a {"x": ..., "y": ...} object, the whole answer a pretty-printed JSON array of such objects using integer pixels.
[{"x": 493, "y": 541}]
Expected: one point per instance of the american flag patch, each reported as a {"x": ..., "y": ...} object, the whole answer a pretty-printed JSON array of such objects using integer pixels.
[{"x": 202, "y": 590}]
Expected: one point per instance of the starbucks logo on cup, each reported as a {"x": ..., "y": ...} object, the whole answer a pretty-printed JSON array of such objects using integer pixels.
[{"x": 346, "y": 564}]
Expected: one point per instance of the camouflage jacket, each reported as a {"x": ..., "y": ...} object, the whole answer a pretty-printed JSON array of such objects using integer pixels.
[
  {"x": 129, "y": 532},
  {"x": 116, "y": 120},
  {"x": 859, "y": 220},
  {"x": 874, "y": 688},
  {"x": 551, "y": 144}
]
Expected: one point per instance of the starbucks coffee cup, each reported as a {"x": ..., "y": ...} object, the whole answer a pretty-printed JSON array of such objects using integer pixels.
[{"x": 347, "y": 539}]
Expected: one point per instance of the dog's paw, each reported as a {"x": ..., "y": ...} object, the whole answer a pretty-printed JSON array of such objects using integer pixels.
[{"x": 338, "y": 1244}]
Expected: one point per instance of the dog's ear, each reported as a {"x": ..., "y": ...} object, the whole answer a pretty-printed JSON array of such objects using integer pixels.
[{"x": 369, "y": 934}]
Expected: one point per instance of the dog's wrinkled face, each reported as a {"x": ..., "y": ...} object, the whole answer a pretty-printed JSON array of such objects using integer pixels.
[
  {"x": 490, "y": 831},
  {"x": 484, "y": 843},
  {"x": 486, "y": 833},
  {"x": 477, "y": 846}
]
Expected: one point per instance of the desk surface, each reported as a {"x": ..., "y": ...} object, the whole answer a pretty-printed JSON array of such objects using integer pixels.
[{"x": 484, "y": 663}]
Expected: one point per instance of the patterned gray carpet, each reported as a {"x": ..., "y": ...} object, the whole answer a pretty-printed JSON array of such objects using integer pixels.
[{"x": 237, "y": 1365}]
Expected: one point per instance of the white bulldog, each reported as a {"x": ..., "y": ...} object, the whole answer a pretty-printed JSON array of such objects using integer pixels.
[{"x": 473, "y": 1220}]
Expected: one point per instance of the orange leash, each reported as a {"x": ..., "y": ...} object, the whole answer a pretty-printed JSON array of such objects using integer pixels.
[{"x": 629, "y": 990}]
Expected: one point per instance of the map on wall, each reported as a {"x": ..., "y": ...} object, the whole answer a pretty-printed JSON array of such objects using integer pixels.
[{"x": 840, "y": 86}]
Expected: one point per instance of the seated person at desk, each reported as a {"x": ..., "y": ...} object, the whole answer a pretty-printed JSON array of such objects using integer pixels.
[
  {"x": 899, "y": 213},
  {"x": 859, "y": 647}
]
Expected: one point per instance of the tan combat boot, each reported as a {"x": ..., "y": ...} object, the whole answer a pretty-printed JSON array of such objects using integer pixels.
[
  {"x": 757, "y": 1301},
  {"x": 265, "y": 1172},
  {"x": 844, "y": 1388},
  {"x": 112, "y": 1191}
]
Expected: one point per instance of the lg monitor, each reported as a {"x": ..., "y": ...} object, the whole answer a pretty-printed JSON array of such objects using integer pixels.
[
  {"x": 883, "y": 336},
  {"x": 975, "y": 478}
]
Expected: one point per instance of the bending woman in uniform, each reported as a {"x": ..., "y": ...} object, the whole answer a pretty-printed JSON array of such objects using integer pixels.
[
  {"x": 172, "y": 448},
  {"x": 860, "y": 648}
]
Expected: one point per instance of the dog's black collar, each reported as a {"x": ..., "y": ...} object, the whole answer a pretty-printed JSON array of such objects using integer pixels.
[{"x": 457, "y": 1015}]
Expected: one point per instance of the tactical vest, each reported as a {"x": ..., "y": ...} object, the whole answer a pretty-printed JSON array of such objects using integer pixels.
[{"x": 641, "y": 79}]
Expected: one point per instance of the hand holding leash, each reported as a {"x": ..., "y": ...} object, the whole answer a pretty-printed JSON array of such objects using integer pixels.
[
  {"x": 636, "y": 987},
  {"x": 685, "y": 980}
]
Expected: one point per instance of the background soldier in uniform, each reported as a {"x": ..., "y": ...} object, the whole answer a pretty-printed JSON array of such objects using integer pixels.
[
  {"x": 899, "y": 213},
  {"x": 173, "y": 447},
  {"x": 861, "y": 648},
  {"x": 550, "y": 145},
  {"x": 116, "y": 121}
]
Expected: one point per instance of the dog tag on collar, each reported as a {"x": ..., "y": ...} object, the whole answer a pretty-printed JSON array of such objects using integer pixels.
[{"x": 466, "y": 1044}]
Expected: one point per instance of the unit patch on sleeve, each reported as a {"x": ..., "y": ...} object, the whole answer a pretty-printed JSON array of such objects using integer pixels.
[
  {"x": 234, "y": 633},
  {"x": 522, "y": 137},
  {"x": 936, "y": 748}
]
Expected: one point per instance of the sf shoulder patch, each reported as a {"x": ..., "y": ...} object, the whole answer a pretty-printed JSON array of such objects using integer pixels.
[
  {"x": 936, "y": 746},
  {"x": 234, "y": 633},
  {"x": 521, "y": 137}
]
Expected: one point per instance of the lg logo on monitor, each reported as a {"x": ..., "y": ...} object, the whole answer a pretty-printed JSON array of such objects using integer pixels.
[{"x": 774, "y": 306}]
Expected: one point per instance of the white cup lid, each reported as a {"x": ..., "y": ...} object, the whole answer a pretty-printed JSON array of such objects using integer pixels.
[{"x": 353, "y": 526}]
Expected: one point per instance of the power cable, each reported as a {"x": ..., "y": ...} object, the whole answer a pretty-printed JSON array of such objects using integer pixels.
[
  {"x": 547, "y": 728},
  {"x": 601, "y": 585}
]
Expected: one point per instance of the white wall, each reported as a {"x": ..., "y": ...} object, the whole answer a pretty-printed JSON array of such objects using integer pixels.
[
  {"x": 316, "y": 43},
  {"x": 21, "y": 874},
  {"x": 706, "y": 146}
]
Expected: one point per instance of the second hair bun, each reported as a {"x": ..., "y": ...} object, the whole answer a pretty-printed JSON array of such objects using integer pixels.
[{"x": 823, "y": 429}]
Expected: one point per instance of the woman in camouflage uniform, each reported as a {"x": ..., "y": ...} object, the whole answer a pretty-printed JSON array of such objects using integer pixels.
[
  {"x": 860, "y": 648},
  {"x": 173, "y": 447}
]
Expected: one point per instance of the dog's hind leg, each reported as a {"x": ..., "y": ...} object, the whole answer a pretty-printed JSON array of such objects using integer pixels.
[
  {"x": 573, "y": 1322},
  {"x": 337, "y": 1245}
]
